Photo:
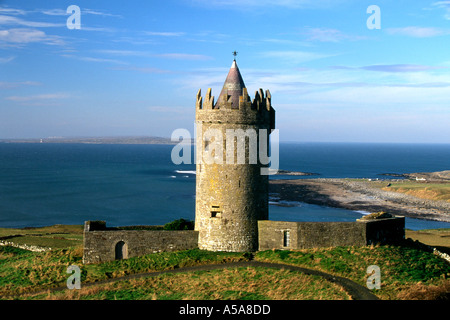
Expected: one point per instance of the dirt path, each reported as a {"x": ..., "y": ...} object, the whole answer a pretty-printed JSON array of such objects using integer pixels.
[{"x": 359, "y": 196}]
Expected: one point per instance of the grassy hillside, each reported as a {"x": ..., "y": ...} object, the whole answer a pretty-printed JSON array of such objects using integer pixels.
[
  {"x": 407, "y": 272},
  {"x": 429, "y": 191},
  {"x": 227, "y": 284}
]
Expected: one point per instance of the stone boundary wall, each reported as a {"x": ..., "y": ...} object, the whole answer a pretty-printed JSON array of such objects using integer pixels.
[
  {"x": 101, "y": 243},
  {"x": 302, "y": 235}
]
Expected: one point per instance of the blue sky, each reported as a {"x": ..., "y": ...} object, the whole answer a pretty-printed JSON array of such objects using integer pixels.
[{"x": 134, "y": 68}]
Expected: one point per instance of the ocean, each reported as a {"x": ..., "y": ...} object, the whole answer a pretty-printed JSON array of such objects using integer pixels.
[{"x": 45, "y": 184}]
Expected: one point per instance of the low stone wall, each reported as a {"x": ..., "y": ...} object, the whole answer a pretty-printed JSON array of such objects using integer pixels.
[
  {"x": 302, "y": 235},
  {"x": 107, "y": 244}
]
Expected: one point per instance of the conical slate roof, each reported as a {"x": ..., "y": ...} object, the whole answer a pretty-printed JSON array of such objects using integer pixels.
[{"x": 232, "y": 87}]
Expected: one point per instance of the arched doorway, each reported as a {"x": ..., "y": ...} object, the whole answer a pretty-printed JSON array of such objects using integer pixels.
[{"x": 121, "y": 250}]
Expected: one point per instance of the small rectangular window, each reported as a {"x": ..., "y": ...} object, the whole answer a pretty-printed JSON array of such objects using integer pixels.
[
  {"x": 286, "y": 238},
  {"x": 216, "y": 214}
]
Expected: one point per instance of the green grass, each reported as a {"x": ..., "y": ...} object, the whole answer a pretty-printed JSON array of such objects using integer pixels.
[
  {"x": 227, "y": 284},
  {"x": 22, "y": 271},
  {"x": 401, "y": 266},
  {"x": 62, "y": 229},
  {"x": 54, "y": 242},
  {"x": 55, "y": 237},
  {"x": 407, "y": 271},
  {"x": 419, "y": 189},
  {"x": 431, "y": 191}
]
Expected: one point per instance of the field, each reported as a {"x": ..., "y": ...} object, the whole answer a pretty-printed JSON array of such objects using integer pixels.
[
  {"x": 407, "y": 272},
  {"x": 429, "y": 191},
  {"x": 55, "y": 237}
]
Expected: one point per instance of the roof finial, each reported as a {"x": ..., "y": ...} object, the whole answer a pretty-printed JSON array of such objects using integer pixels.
[{"x": 235, "y": 54}]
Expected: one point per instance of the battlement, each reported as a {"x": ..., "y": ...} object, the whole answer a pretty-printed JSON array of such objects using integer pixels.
[
  {"x": 258, "y": 110},
  {"x": 259, "y": 103}
]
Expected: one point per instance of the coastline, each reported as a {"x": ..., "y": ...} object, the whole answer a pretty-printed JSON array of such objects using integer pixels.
[{"x": 359, "y": 195}]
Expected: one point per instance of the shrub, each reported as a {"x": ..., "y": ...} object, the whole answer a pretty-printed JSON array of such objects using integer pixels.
[{"x": 179, "y": 224}]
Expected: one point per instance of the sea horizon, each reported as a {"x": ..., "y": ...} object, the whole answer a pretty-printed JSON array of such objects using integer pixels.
[
  {"x": 140, "y": 139},
  {"x": 131, "y": 184}
]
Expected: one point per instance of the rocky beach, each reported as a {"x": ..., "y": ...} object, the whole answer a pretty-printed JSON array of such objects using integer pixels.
[{"x": 365, "y": 195}]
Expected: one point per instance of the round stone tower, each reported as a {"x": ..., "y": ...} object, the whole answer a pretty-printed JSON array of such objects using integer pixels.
[{"x": 231, "y": 152}]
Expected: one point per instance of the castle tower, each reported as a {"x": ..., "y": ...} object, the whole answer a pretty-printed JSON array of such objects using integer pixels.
[{"x": 231, "y": 192}]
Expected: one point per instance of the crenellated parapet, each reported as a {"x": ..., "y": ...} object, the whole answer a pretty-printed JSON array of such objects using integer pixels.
[
  {"x": 261, "y": 102},
  {"x": 208, "y": 104},
  {"x": 256, "y": 111}
]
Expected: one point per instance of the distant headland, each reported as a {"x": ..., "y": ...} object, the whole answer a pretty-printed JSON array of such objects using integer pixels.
[{"x": 96, "y": 140}]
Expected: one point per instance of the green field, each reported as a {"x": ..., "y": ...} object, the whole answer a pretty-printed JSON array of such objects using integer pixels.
[
  {"x": 407, "y": 272},
  {"x": 55, "y": 237},
  {"x": 227, "y": 284},
  {"x": 430, "y": 191}
]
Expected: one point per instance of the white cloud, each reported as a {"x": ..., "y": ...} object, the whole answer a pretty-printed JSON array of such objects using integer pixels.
[
  {"x": 63, "y": 12},
  {"x": 99, "y": 13},
  {"x": 246, "y": 4},
  {"x": 54, "y": 12},
  {"x": 134, "y": 40},
  {"x": 9, "y": 20},
  {"x": 177, "y": 56},
  {"x": 164, "y": 34},
  {"x": 144, "y": 69},
  {"x": 11, "y": 85},
  {"x": 7, "y": 59},
  {"x": 131, "y": 53},
  {"x": 93, "y": 59},
  {"x": 183, "y": 56},
  {"x": 6, "y": 10},
  {"x": 99, "y": 29},
  {"x": 294, "y": 56},
  {"x": 445, "y": 5},
  {"x": 418, "y": 32},
  {"x": 329, "y": 35},
  {"x": 39, "y": 97},
  {"x": 290, "y": 84},
  {"x": 393, "y": 68},
  {"x": 24, "y": 35}
]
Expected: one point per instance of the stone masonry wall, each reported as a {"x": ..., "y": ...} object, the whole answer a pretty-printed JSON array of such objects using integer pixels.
[
  {"x": 100, "y": 245},
  {"x": 231, "y": 196},
  {"x": 330, "y": 234},
  {"x": 304, "y": 235}
]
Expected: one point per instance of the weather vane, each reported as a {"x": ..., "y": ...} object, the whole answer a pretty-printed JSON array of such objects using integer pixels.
[{"x": 235, "y": 54}]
